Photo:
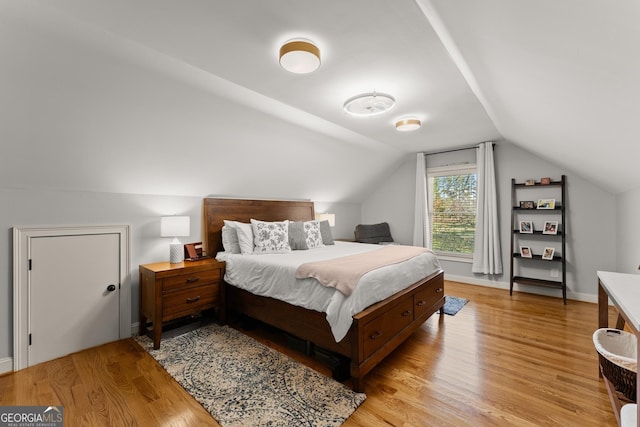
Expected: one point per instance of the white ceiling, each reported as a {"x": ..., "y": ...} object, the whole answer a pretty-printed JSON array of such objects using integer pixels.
[
  {"x": 557, "y": 77},
  {"x": 365, "y": 46}
]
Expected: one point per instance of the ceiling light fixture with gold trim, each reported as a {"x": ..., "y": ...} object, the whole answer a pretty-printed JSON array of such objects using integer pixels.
[
  {"x": 408, "y": 124},
  {"x": 299, "y": 56},
  {"x": 369, "y": 104}
]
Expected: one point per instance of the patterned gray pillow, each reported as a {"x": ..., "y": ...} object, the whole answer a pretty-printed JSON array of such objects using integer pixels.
[
  {"x": 270, "y": 237},
  {"x": 313, "y": 235}
]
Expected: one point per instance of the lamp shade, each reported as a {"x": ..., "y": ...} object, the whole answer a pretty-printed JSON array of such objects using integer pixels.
[
  {"x": 328, "y": 217},
  {"x": 175, "y": 226}
]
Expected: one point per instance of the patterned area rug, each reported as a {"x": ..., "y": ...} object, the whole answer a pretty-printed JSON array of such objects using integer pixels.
[
  {"x": 242, "y": 382},
  {"x": 453, "y": 305}
]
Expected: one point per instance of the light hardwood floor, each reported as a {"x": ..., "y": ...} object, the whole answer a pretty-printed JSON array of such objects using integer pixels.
[{"x": 524, "y": 360}]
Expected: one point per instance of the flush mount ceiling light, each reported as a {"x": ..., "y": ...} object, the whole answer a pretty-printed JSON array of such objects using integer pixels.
[
  {"x": 408, "y": 124},
  {"x": 299, "y": 56},
  {"x": 369, "y": 104}
]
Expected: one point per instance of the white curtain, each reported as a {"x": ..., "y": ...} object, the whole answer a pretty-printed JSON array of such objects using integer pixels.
[
  {"x": 486, "y": 252},
  {"x": 421, "y": 232}
]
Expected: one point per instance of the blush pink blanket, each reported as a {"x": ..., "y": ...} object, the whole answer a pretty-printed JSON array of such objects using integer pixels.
[{"x": 344, "y": 273}]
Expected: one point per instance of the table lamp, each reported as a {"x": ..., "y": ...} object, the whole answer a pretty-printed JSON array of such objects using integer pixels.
[
  {"x": 175, "y": 226},
  {"x": 328, "y": 217}
]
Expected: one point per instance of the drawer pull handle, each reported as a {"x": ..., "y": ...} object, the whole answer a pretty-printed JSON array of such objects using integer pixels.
[
  {"x": 194, "y": 299},
  {"x": 438, "y": 290},
  {"x": 421, "y": 303},
  {"x": 192, "y": 279},
  {"x": 375, "y": 335},
  {"x": 406, "y": 313}
]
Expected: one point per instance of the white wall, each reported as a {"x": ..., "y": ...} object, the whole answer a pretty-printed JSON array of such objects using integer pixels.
[
  {"x": 82, "y": 109},
  {"x": 141, "y": 212},
  {"x": 392, "y": 202},
  {"x": 347, "y": 217},
  {"x": 628, "y": 232},
  {"x": 591, "y": 218},
  {"x": 57, "y": 208}
]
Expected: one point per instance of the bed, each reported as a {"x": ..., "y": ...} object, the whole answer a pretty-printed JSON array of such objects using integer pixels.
[{"x": 374, "y": 332}]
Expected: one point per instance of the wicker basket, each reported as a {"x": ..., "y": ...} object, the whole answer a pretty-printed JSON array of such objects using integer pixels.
[{"x": 617, "y": 351}]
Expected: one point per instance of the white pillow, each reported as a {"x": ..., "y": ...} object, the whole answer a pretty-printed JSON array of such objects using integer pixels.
[
  {"x": 270, "y": 237},
  {"x": 312, "y": 234},
  {"x": 245, "y": 236},
  {"x": 230, "y": 239}
]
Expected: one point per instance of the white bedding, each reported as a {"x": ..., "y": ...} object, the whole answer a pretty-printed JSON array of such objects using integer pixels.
[{"x": 273, "y": 275}]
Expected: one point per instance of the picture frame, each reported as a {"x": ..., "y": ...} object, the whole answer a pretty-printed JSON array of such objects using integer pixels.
[
  {"x": 525, "y": 252},
  {"x": 548, "y": 253},
  {"x": 530, "y": 182},
  {"x": 550, "y": 227},
  {"x": 193, "y": 251},
  {"x": 545, "y": 180},
  {"x": 526, "y": 227},
  {"x": 546, "y": 204},
  {"x": 527, "y": 204}
]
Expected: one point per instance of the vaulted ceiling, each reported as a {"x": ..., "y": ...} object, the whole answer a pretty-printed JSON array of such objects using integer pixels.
[{"x": 126, "y": 96}]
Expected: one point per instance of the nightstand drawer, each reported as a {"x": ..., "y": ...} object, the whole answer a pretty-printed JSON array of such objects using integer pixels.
[
  {"x": 189, "y": 301},
  {"x": 180, "y": 281}
]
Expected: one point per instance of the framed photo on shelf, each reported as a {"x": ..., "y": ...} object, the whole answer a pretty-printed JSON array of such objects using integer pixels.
[
  {"x": 525, "y": 251},
  {"x": 526, "y": 227},
  {"x": 548, "y": 253},
  {"x": 550, "y": 227},
  {"x": 546, "y": 203},
  {"x": 527, "y": 204}
]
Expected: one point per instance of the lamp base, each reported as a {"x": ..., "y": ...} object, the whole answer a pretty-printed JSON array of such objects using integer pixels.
[{"x": 176, "y": 254}]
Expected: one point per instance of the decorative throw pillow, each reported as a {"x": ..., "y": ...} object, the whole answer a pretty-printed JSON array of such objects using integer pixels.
[
  {"x": 245, "y": 236},
  {"x": 325, "y": 231},
  {"x": 270, "y": 237},
  {"x": 312, "y": 234},
  {"x": 297, "y": 237},
  {"x": 230, "y": 239}
]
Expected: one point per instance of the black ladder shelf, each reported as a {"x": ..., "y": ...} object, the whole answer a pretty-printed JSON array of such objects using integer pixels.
[{"x": 521, "y": 254}]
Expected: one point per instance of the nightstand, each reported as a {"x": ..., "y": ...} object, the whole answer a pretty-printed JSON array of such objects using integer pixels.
[{"x": 170, "y": 291}]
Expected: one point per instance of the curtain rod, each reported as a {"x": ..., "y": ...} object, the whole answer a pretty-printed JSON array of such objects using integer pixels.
[{"x": 493, "y": 145}]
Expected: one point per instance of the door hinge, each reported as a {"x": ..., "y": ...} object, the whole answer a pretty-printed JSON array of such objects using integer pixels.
[
  {"x": 29, "y": 265},
  {"x": 29, "y": 339},
  {"x": 119, "y": 285}
]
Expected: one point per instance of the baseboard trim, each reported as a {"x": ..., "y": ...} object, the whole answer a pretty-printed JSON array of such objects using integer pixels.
[
  {"x": 6, "y": 365},
  {"x": 577, "y": 296},
  {"x": 476, "y": 281}
]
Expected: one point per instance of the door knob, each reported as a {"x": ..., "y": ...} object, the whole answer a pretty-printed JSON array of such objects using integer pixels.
[{"x": 111, "y": 288}]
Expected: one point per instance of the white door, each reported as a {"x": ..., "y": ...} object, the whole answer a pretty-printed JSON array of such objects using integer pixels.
[{"x": 73, "y": 294}]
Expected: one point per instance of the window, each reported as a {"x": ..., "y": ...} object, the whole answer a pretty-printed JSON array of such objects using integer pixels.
[{"x": 452, "y": 209}]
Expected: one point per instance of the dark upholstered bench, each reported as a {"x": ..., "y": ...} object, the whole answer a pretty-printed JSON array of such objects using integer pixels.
[{"x": 373, "y": 233}]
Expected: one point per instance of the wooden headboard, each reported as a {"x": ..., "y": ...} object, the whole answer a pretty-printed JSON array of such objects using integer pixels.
[{"x": 243, "y": 210}]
